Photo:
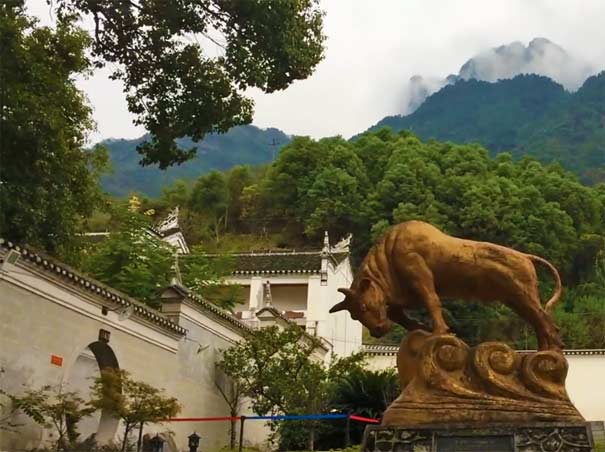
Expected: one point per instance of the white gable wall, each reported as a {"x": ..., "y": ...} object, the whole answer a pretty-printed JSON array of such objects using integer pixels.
[{"x": 343, "y": 332}]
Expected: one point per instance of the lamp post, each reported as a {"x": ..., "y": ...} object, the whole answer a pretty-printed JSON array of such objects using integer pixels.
[
  {"x": 194, "y": 442},
  {"x": 157, "y": 444}
]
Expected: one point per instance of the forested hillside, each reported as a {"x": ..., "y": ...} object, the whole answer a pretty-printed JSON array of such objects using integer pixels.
[
  {"x": 528, "y": 114},
  {"x": 383, "y": 178},
  {"x": 240, "y": 145}
]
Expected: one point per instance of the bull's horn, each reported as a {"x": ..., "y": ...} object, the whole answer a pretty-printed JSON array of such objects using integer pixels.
[
  {"x": 339, "y": 306},
  {"x": 347, "y": 292}
]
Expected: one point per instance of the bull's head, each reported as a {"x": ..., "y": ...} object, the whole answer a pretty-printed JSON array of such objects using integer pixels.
[{"x": 367, "y": 304}]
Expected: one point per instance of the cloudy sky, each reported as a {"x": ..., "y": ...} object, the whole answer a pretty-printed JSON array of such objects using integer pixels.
[{"x": 374, "y": 47}]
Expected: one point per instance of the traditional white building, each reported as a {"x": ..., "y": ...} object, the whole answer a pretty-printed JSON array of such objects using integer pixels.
[
  {"x": 296, "y": 286},
  {"x": 300, "y": 286}
]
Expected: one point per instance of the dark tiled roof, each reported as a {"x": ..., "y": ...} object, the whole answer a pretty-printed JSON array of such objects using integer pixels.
[
  {"x": 89, "y": 284},
  {"x": 307, "y": 262},
  {"x": 168, "y": 232},
  {"x": 280, "y": 262},
  {"x": 380, "y": 349},
  {"x": 211, "y": 308}
]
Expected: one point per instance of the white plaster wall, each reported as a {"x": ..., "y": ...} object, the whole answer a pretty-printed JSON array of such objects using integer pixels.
[
  {"x": 343, "y": 332},
  {"x": 584, "y": 381},
  {"x": 198, "y": 353},
  {"x": 40, "y": 317},
  {"x": 34, "y": 327},
  {"x": 380, "y": 362}
]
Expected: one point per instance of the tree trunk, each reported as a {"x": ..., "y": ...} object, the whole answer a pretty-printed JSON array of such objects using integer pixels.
[
  {"x": 217, "y": 223},
  {"x": 312, "y": 436},
  {"x": 232, "y": 434},
  {"x": 125, "y": 440},
  {"x": 140, "y": 440}
]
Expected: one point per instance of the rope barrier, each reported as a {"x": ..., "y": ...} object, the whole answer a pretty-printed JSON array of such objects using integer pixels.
[
  {"x": 370, "y": 420},
  {"x": 301, "y": 417},
  {"x": 203, "y": 419},
  {"x": 285, "y": 417}
]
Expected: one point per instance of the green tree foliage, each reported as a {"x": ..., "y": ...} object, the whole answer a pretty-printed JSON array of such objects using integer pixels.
[
  {"x": 52, "y": 407},
  {"x": 136, "y": 261},
  {"x": 204, "y": 275},
  {"x": 132, "y": 259},
  {"x": 210, "y": 196},
  {"x": 238, "y": 178},
  {"x": 48, "y": 182},
  {"x": 10, "y": 407},
  {"x": 385, "y": 178},
  {"x": 317, "y": 185},
  {"x": 366, "y": 393},
  {"x": 276, "y": 369},
  {"x": 178, "y": 88},
  {"x": 531, "y": 207},
  {"x": 134, "y": 402},
  {"x": 582, "y": 315}
]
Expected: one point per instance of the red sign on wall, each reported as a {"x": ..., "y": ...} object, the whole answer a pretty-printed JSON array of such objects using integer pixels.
[{"x": 56, "y": 360}]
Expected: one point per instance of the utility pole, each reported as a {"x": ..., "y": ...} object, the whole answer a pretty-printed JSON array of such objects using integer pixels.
[{"x": 274, "y": 145}]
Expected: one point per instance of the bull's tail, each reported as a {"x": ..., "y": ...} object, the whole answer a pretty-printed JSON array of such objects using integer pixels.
[{"x": 550, "y": 304}]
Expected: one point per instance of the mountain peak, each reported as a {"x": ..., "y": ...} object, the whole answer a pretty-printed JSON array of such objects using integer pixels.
[{"x": 541, "y": 57}]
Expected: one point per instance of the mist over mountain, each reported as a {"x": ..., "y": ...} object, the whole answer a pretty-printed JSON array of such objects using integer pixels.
[
  {"x": 526, "y": 115},
  {"x": 540, "y": 57},
  {"x": 522, "y": 99}
]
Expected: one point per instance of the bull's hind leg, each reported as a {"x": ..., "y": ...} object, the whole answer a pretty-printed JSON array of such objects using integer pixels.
[
  {"x": 530, "y": 310},
  {"x": 418, "y": 276}
]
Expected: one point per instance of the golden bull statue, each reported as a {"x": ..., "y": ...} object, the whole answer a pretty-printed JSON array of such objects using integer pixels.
[
  {"x": 443, "y": 380},
  {"x": 415, "y": 265}
]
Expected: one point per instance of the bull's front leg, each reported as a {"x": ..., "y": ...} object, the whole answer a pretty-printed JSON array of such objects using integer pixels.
[
  {"x": 413, "y": 269},
  {"x": 398, "y": 315}
]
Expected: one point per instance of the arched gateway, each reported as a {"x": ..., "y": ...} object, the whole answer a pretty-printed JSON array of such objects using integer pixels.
[{"x": 95, "y": 357}]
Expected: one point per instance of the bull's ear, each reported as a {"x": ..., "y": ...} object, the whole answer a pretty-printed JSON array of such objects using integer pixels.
[
  {"x": 364, "y": 284},
  {"x": 339, "y": 306},
  {"x": 348, "y": 292}
]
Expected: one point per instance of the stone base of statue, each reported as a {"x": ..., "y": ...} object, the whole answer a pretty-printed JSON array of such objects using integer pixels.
[
  {"x": 500, "y": 438},
  {"x": 486, "y": 392}
]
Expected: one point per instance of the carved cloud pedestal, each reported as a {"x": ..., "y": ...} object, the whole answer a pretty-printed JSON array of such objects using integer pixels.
[{"x": 485, "y": 398}]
